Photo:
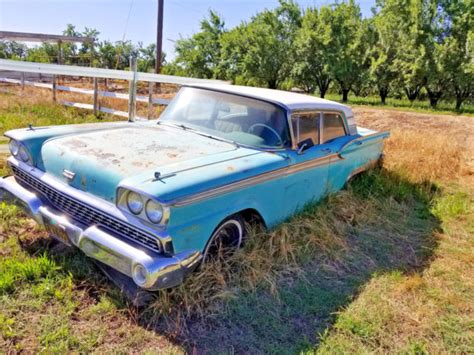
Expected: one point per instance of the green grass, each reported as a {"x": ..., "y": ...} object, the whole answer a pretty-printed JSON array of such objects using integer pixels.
[
  {"x": 443, "y": 107},
  {"x": 18, "y": 112}
]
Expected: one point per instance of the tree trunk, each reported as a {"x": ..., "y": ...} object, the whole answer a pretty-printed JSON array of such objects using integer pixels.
[
  {"x": 272, "y": 84},
  {"x": 323, "y": 87},
  {"x": 412, "y": 93},
  {"x": 383, "y": 92},
  {"x": 433, "y": 101},
  {"x": 434, "y": 97},
  {"x": 459, "y": 101},
  {"x": 345, "y": 94}
]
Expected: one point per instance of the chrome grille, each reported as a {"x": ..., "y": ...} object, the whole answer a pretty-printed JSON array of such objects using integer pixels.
[{"x": 86, "y": 214}]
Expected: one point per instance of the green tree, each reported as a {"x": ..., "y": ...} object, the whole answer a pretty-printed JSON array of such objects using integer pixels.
[
  {"x": 200, "y": 54},
  {"x": 456, "y": 52},
  {"x": 261, "y": 51},
  {"x": 88, "y": 51},
  {"x": 311, "y": 69},
  {"x": 388, "y": 22},
  {"x": 412, "y": 62},
  {"x": 12, "y": 50},
  {"x": 346, "y": 36},
  {"x": 106, "y": 54}
]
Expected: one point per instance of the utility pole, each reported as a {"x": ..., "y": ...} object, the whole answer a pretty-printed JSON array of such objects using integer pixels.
[{"x": 159, "y": 37}]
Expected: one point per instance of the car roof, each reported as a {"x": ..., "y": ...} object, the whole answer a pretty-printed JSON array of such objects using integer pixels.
[{"x": 291, "y": 100}]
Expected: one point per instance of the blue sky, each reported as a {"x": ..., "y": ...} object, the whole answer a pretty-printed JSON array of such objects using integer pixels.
[{"x": 109, "y": 17}]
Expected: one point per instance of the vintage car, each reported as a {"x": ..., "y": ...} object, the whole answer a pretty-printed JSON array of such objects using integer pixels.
[{"x": 153, "y": 199}]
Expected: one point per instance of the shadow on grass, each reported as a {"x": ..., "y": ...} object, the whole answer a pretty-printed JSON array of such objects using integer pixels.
[{"x": 381, "y": 223}]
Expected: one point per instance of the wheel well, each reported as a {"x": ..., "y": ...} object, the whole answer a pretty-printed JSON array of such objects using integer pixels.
[{"x": 252, "y": 216}]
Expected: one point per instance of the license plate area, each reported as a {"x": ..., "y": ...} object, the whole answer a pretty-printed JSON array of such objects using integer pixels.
[{"x": 56, "y": 230}]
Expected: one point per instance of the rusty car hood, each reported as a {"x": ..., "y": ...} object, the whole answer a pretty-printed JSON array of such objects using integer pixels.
[{"x": 96, "y": 162}]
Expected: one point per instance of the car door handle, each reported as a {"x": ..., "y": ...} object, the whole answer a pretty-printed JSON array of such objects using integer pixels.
[{"x": 326, "y": 150}]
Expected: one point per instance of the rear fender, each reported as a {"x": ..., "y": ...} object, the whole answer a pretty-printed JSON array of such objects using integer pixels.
[{"x": 361, "y": 141}]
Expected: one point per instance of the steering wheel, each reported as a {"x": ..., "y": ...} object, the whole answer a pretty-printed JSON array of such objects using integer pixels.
[{"x": 275, "y": 133}]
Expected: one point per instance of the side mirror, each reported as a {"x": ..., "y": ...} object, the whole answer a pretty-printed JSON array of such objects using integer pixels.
[{"x": 303, "y": 145}]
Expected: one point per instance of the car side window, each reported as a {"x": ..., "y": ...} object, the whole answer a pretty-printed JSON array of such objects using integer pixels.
[
  {"x": 333, "y": 127},
  {"x": 306, "y": 126}
]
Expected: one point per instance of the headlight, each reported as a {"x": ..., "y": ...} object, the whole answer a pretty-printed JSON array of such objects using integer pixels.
[
  {"x": 134, "y": 202},
  {"x": 14, "y": 147},
  {"x": 154, "y": 211},
  {"x": 139, "y": 275},
  {"x": 23, "y": 154}
]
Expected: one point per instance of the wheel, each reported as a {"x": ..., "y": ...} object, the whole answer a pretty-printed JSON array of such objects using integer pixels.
[{"x": 226, "y": 239}]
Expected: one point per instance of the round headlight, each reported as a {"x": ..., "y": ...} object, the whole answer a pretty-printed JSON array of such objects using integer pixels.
[
  {"x": 139, "y": 275},
  {"x": 134, "y": 202},
  {"x": 154, "y": 211},
  {"x": 23, "y": 154},
  {"x": 14, "y": 147}
]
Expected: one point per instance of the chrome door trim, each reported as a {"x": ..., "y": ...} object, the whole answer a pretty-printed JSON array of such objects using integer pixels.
[{"x": 258, "y": 179}]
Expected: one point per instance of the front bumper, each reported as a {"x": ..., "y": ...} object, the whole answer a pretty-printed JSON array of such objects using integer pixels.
[{"x": 149, "y": 270}]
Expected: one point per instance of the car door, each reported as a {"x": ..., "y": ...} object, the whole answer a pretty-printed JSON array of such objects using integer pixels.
[
  {"x": 334, "y": 133},
  {"x": 308, "y": 163}
]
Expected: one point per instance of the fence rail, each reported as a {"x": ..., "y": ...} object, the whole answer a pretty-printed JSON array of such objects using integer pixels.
[{"x": 131, "y": 76}]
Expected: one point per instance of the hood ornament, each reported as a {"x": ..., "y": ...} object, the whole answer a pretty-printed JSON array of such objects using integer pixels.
[{"x": 160, "y": 176}]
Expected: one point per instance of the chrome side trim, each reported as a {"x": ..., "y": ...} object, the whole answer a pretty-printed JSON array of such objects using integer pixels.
[
  {"x": 258, "y": 179},
  {"x": 358, "y": 139}
]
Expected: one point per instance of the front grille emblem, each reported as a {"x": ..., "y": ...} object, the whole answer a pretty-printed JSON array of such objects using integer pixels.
[{"x": 68, "y": 174}]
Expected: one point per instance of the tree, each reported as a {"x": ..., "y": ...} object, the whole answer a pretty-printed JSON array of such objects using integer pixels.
[
  {"x": 12, "y": 50},
  {"x": 88, "y": 51},
  {"x": 456, "y": 52},
  {"x": 388, "y": 22},
  {"x": 311, "y": 69},
  {"x": 261, "y": 51},
  {"x": 200, "y": 54},
  {"x": 106, "y": 54},
  {"x": 346, "y": 36},
  {"x": 147, "y": 59}
]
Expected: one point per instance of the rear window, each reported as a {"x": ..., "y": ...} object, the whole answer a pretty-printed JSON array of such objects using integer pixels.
[{"x": 333, "y": 127}]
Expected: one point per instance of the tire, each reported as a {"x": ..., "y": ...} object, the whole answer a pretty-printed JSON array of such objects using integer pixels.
[{"x": 226, "y": 239}]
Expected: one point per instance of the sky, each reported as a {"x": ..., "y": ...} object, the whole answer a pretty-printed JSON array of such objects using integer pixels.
[{"x": 134, "y": 20}]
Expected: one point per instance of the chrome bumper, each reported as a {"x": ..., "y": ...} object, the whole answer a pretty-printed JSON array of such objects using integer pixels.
[{"x": 148, "y": 270}]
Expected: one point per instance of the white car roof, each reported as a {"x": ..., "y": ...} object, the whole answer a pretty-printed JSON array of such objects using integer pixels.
[{"x": 293, "y": 101}]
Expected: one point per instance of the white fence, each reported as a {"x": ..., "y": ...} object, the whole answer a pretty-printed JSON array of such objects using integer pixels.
[{"x": 131, "y": 76}]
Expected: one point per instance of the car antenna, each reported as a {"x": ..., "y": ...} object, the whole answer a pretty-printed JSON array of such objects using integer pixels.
[{"x": 30, "y": 127}]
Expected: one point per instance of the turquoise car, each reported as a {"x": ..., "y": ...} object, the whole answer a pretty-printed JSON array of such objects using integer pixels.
[{"x": 154, "y": 199}]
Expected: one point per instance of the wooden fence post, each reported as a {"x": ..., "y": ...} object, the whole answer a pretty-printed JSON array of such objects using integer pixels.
[
  {"x": 54, "y": 88},
  {"x": 150, "y": 99},
  {"x": 96, "y": 94},
  {"x": 22, "y": 81},
  {"x": 132, "y": 90}
]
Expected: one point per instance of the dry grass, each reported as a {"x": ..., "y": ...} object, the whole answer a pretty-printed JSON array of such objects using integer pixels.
[{"x": 35, "y": 96}]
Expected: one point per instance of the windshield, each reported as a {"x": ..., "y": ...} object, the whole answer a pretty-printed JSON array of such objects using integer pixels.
[{"x": 230, "y": 117}]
